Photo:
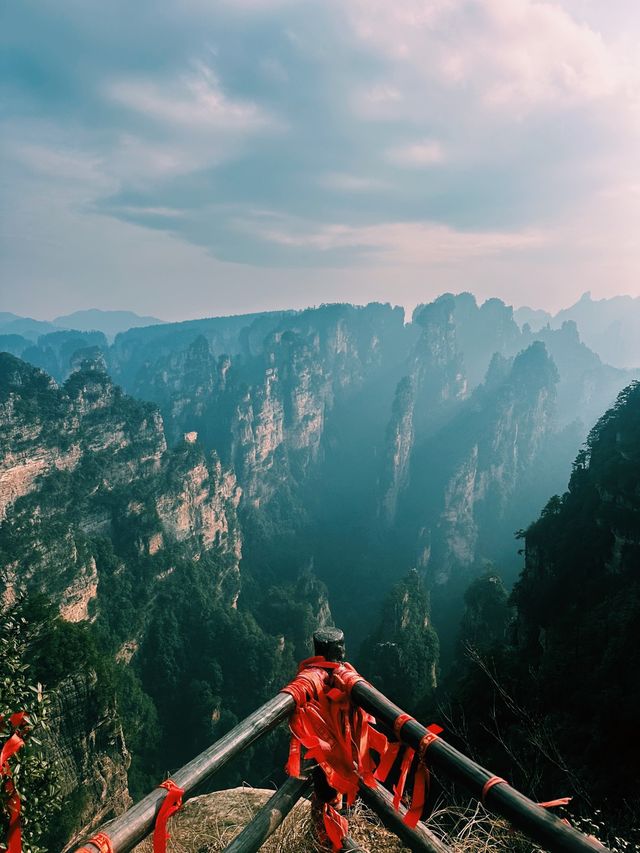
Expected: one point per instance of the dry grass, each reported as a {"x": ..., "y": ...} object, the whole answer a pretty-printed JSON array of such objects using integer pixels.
[
  {"x": 207, "y": 824},
  {"x": 471, "y": 829}
]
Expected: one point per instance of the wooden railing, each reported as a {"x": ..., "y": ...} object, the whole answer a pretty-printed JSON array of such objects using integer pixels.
[{"x": 537, "y": 823}]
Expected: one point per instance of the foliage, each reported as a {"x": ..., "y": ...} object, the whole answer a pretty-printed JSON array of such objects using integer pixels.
[
  {"x": 554, "y": 707},
  {"x": 33, "y": 772},
  {"x": 401, "y": 656},
  {"x": 486, "y": 613},
  {"x": 204, "y": 665}
]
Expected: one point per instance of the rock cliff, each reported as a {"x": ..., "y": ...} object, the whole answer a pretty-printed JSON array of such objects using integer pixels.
[
  {"x": 86, "y": 744},
  {"x": 82, "y": 462},
  {"x": 578, "y": 602}
]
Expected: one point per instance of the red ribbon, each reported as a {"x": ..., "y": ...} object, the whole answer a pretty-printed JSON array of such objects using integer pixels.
[
  {"x": 170, "y": 805},
  {"x": 340, "y": 737},
  {"x": 335, "y": 826},
  {"x": 488, "y": 785},
  {"x": 399, "y": 722},
  {"x": 422, "y": 777},
  {"x": 496, "y": 780},
  {"x": 11, "y": 746},
  {"x": 100, "y": 840},
  {"x": 335, "y": 733}
]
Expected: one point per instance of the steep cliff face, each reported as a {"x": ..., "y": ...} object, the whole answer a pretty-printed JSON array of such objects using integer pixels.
[
  {"x": 264, "y": 404},
  {"x": 465, "y": 478},
  {"x": 84, "y": 462},
  {"x": 437, "y": 356},
  {"x": 399, "y": 444},
  {"x": 578, "y": 603},
  {"x": 106, "y": 522},
  {"x": 86, "y": 744},
  {"x": 425, "y": 397},
  {"x": 401, "y": 655},
  {"x": 57, "y": 352},
  {"x": 476, "y": 332}
]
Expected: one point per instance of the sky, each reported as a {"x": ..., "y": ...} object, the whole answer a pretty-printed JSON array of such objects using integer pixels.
[{"x": 188, "y": 158}]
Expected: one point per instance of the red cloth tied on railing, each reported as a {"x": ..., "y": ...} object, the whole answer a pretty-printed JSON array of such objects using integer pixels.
[
  {"x": 102, "y": 841},
  {"x": 170, "y": 805},
  {"x": 340, "y": 736},
  {"x": 421, "y": 777},
  {"x": 17, "y": 721},
  {"x": 335, "y": 733},
  {"x": 335, "y": 825},
  {"x": 497, "y": 780}
]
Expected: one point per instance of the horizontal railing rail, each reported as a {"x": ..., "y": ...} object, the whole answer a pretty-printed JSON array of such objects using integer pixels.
[
  {"x": 136, "y": 823},
  {"x": 126, "y": 831}
]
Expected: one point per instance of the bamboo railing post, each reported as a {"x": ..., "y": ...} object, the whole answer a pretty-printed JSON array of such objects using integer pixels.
[
  {"x": 328, "y": 643},
  {"x": 419, "y": 840},
  {"x": 270, "y": 816},
  {"x": 351, "y": 846}
]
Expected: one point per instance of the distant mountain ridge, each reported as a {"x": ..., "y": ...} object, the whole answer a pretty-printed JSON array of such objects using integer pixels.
[
  {"x": 110, "y": 323},
  {"x": 610, "y": 327}
]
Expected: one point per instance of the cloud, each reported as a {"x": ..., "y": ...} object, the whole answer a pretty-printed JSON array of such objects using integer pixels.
[
  {"x": 398, "y": 243},
  {"x": 141, "y": 211},
  {"x": 192, "y": 102},
  {"x": 511, "y": 54},
  {"x": 344, "y": 182},
  {"x": 382, "y": 101},
  {"x": 417, "y": 155},
  {"x": 191, "y": 123},
  {"x": 355, "y": 142}
]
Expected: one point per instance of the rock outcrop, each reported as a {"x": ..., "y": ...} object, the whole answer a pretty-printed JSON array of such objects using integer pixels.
[
  {"x": 86, "y": 744},
  {"x": 82, "y": 462}
]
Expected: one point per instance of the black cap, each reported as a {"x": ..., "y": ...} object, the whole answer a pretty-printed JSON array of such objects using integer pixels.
[{"x": 329, "y": 642}]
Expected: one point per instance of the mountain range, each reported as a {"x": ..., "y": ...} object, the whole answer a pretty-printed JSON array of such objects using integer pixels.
[
  {"x": 110, "y": 323},
  {"x": 193, "y": 499},
  {"x": 607, "y": 326}
]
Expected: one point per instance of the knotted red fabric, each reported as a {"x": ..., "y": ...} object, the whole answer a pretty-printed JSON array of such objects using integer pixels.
[
  {"x": 339, "y": 736},
  {"x": 170, "y": 805},
  {"x": 18, "y": 721},
  {"x": 100, "y": 840},
  {"x": 421, "y": 777},
  {"x": 335, "y": 733},
  {"x": 488, "y": 785}
]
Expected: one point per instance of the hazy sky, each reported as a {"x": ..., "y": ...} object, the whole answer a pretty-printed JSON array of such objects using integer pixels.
[{"x": 191, "y": 157}]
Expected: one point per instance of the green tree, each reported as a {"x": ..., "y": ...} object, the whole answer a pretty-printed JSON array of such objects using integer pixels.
[
  {"x": 33, "y": 771},
  {"x": 401, "y": 656}
]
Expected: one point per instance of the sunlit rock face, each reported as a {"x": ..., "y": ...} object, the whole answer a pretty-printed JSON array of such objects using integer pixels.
[
  {"x": 265, "y": 403},
  {"x": 82, "y": 463},
  {"x": 416, "y": 426}
]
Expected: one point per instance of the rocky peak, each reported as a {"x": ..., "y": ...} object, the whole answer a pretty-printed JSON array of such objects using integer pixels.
[
  {"x": 402, "y": 653},
  {"x": 399, "y": 444},
  {"x": 84, "y": 461}
]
